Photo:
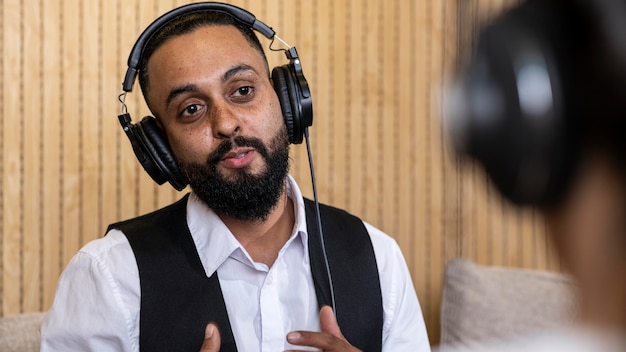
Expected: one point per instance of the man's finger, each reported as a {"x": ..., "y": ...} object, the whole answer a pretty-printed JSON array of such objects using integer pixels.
[
  {"x": 212, "y": 339},
  {"x": 329, "y": 339},
  {"x": 328, "y": 322},
  {"x": 320, "y": 340}
]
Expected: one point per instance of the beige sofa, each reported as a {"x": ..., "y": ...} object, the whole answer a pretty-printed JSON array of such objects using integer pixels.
[
  {"x": 21, "y": 332},
  {"x": 487, "y": 303}
]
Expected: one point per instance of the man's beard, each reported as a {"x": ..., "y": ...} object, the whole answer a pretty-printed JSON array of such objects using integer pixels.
[{"x": 241, "y": 195}]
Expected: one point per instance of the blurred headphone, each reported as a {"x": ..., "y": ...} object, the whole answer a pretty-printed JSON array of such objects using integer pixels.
[
  {"x": 149, "y": 142},
  {"x": 521, "y": 105}
]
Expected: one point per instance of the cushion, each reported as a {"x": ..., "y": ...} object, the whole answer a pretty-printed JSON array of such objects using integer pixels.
[
  {"x": 21, "y": 332},
  {"x": 483, "y": 303}
]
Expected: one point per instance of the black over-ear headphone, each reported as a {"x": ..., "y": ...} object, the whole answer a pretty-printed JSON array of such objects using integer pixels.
[
  {"x": 521, "y": 104},
  {"x": 148, "y": 140}
]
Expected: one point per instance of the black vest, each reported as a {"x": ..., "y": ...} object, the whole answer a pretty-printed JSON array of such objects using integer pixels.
[{"x": 178, "y": 300}]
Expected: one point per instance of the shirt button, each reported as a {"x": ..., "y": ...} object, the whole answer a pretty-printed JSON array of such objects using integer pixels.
[{"x": 269, "y": 279}]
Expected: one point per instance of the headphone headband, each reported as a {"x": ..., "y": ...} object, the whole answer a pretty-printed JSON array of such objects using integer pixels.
[{"x": 238, "y": 13}]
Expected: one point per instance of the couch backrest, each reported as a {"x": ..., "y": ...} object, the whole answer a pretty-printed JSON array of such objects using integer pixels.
[
  {"x": 21, "y": 332},
  {"x": 482, "y": 303}
]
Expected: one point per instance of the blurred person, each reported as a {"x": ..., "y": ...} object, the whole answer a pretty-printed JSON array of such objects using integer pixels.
[{"x": 541, "y": 105}]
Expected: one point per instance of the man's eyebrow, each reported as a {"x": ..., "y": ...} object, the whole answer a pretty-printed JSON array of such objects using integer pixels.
[
  {"x": 193, "y": 88},
  {"x": 180, "y": 90},
  {"x": 235, "y": 70}
]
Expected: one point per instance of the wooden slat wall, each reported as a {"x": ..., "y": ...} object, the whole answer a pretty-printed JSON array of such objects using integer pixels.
[{"x": 376, "y": 70}]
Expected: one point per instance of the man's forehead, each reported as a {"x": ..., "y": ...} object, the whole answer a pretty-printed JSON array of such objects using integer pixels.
[
  {"x": 209, "y": 53},
  {"x": 209, "y": 38}
]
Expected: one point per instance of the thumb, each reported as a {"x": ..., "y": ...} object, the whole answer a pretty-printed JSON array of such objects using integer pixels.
[
  {"x": 328, "y": 322},
  {"x": 212, "y": 339}
]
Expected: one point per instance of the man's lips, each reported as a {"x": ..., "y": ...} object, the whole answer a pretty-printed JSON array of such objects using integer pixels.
[{"x": 238, "y": 157}]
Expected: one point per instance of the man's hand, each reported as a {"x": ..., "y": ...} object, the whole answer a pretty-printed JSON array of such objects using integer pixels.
[
  {"x": 329, "y": 340},
  {"x": 211, "y": 339}
]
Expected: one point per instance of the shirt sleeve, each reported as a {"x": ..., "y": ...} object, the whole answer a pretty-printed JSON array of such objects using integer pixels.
[
  {"x": 89, "y": 312},
  {"x": 403, "y": 327}
]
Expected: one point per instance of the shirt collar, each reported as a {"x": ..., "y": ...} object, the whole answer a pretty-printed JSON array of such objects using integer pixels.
[{"x": 214, "y": 241}]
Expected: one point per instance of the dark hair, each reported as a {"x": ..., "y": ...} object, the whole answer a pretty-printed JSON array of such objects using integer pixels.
[{"x": 187, "y": 23}]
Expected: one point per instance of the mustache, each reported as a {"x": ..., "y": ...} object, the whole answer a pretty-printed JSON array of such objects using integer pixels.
[{"x": 239, "y": 141}]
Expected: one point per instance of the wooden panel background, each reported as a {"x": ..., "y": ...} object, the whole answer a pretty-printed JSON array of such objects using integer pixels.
[{"x": 376, "y": 70}]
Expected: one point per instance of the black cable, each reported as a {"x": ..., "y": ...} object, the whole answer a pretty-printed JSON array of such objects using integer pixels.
[{"x": 319, "y": 220}]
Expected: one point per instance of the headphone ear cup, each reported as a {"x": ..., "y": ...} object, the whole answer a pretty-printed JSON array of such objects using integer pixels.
[
  {"x": 286, "y": 90},
  {"x": 519, "y": 108},
  {"x": 160, "y": 157},
  {"x": 139, "y": 149}
]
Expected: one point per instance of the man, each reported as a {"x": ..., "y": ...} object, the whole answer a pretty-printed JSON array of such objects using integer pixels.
[
  {"x": 551, "y": 136},
  {"x": 206, "y": 80}
]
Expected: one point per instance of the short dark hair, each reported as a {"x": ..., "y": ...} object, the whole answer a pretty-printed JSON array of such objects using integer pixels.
[{"x": 187, "y": 23}]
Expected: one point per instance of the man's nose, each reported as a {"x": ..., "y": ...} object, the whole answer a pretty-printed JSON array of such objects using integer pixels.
[{"x": 226, "y": 123}]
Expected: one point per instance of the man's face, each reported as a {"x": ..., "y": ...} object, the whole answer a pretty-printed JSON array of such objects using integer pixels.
[{"x": 211, "y": 93}]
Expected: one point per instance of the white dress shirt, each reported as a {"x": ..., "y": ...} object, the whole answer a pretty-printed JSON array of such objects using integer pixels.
[{"x": 97, "y": 301}]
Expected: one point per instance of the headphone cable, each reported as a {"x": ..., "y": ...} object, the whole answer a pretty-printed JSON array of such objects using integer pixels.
[{"x": 319, "y": 220}]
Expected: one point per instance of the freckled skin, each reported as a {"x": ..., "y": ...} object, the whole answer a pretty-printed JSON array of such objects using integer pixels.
[{"x": 221, "y": 110}]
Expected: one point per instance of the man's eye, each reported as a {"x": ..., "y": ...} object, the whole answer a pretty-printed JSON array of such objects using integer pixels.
[
  {"x": 191, "y": 109},
  {"x": 243, "y": 91}
]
